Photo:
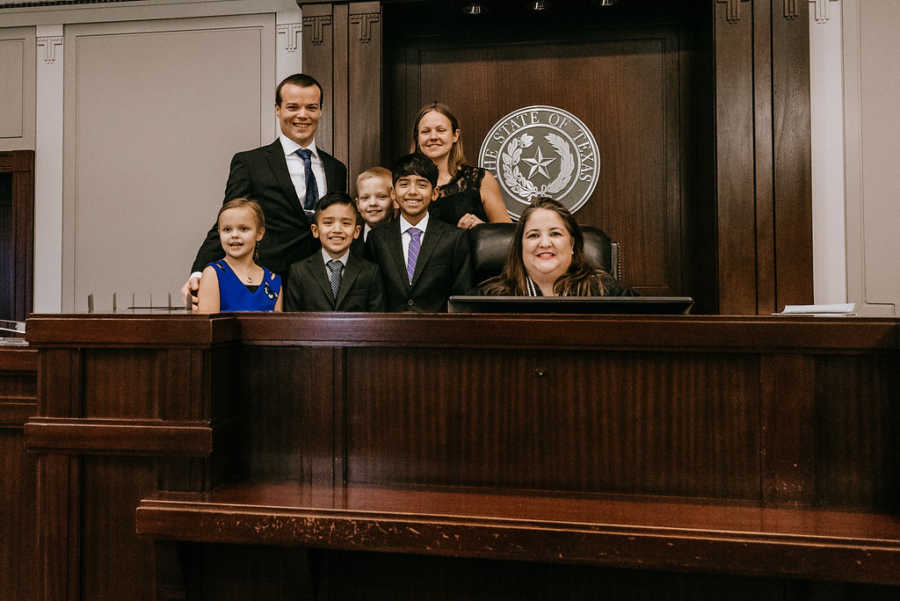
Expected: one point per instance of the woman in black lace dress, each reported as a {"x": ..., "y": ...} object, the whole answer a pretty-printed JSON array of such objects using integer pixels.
[{"x": 467, "y": 195}]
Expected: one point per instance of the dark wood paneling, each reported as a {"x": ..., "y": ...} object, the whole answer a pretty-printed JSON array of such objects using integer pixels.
[
  {"x": 318, "y": 59},
  {"x": 628, "y": 85},
  {"x": 736, "y": 209},
  {"x": 123, "y": 383},
  {"x": 764, "y": 174},
  {"x": 411, "y": 416},
  {"x": 788, "y": 382},
  {"x": 18, "y": 401},
  {"x": 58, "y": 539},
  {"x": 858, "y": 431},
  {"x": 364, "y": 88},
  {"x": 712, "y": 333},
  {"x": 16, "y": 233},
  {"x": 286, "y": 417},
  {"x": 114, "y": 563},
  {"x": 47, "y": 434},
  {"x": 17, "y": 520},
  {"x": 792, "y": 154}
]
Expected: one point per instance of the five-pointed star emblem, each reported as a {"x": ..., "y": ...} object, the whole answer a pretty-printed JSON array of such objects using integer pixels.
[{"x": 538, "y": 163}]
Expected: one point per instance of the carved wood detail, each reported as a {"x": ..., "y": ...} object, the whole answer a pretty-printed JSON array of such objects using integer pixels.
[
  {"x": 290, "y": 31},
  {"x": 317, "y": 24},
  {"x": 733, "y": 12},
  {"x": 365, "y": 22}
]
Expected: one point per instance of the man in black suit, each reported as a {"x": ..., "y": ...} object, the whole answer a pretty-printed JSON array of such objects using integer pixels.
[
  {"x": 423, "y": 261},
  {"x": 286, "y": 178},
  {"x": 336, "y": 278}
]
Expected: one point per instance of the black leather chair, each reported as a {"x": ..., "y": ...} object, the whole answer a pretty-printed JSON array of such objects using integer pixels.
[{"x": 490, "y": 244}]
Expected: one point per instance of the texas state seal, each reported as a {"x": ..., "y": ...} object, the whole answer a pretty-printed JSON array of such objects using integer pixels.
[{"x": 541, "y": 151}]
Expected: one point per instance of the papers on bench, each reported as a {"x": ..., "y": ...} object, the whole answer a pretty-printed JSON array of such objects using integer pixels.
[{"x": 838, "y": 309}]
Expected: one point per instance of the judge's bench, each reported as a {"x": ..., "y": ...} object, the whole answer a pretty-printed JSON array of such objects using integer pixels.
[{"x": 345, "y": 456}]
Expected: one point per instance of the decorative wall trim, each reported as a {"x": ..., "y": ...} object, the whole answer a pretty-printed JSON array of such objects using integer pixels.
[
  {"x": 791, "y": 10},
  {"x": 733, "y": 12},
  {"x": 47, "y": 46},
  {"x": 290, "y": 33},
  {"x": 317, "y": 24},
  {"x": 822, "y": 15},
  {"x": 365, "y": 22}
]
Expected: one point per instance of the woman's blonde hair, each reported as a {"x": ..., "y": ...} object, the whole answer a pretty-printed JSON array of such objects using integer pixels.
[{"x": 457, "y": 155}]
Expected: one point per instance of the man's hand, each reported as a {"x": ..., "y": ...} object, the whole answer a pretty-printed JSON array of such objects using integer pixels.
[{"x": 189, "y": 291}]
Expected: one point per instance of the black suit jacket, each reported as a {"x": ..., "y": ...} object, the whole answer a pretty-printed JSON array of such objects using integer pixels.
[
  {"x": 262, "y": 175},
  {"x": 308, "y": 288},
  {"x": 442, "y": 269}
]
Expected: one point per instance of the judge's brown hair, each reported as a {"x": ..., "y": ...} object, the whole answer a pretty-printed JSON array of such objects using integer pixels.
[{"x": 581, "y": 279}]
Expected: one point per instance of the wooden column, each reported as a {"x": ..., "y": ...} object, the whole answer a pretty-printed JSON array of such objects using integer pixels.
[
  {"x": 342, "y": 50},
  {"x": 763, "y": 164}
]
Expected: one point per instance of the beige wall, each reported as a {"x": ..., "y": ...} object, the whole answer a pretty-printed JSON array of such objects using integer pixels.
[
  {"x": 872, "y": 156},
  {"x": 153, "y": 112},
  {"x": 17, "y": 73}
]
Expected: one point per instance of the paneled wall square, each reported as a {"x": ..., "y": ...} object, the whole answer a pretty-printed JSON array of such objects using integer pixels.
[
  {"x": 17, "y": 88},
  {"x": 154, "y": 111}
]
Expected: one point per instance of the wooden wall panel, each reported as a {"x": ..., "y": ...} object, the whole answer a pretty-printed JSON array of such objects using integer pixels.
[
  {"x": 318, "y": 60},
  {"x": 628, "y": 96},
  {"x": 123, "y": 383},
  {"x": 114, "y": 563},
  {"x": 736, "y": 207},
  {"x": 16, "y": 233},
  {"x": 18, "y": 401},
  {"x": 792, "y": 154},
  {"x": 410, "y": 414},
  {"x": 364, "y": 88},
  {"x": 286, "y": 416},
  {"x": 858, "y": 432}
]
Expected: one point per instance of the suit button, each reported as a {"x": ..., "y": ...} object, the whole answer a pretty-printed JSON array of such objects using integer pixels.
[{"x": 410, "y": 302}]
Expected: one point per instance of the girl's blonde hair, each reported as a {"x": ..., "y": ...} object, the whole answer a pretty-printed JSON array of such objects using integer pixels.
[{"x": 243, "y": 201}]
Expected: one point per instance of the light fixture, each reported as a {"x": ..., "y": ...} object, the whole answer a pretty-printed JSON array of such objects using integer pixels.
[
  {"x": 473, "y": 9},
  {"x": 538, "y": 6}
]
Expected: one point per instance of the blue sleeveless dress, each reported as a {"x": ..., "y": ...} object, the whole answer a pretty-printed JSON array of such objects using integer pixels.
[{"x": 235, "y": 296}]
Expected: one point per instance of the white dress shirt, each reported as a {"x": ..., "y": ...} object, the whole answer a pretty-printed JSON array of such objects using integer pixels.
[
  {"x": 296, "y": 170},
  {"x": 405, "y": 236}
]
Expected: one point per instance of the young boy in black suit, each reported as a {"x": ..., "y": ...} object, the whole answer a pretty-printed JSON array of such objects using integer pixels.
[
  {"x": 334, "y": 279},
  {"x": 423, "y": 261}
]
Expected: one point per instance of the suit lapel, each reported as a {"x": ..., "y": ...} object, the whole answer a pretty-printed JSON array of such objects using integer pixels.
[
  {"x": 432, "y": 238},
  {"x": 328, "y": 166},
  {"x": 395, "y": 247},
  {"x": 350, "y": 273},
  {"x": 278, "y": 165},
  {"x": 316, "y": 264}
]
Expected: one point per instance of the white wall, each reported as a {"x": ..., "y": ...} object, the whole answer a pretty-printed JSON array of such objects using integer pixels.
[
  {"x": 827, "y": 116},
  {"x": 872, "y": 147}
]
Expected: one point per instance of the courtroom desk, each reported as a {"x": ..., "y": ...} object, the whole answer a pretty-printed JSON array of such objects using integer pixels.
[
  {"x": 660, "y": 534},
  {"x": 741, "y": 417},
  {"x": 18, "y": 401}
]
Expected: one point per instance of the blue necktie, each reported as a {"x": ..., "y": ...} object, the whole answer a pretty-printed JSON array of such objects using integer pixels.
[
  {"x": 312, "y": 190},
  {"x": 413, "y": 255}
]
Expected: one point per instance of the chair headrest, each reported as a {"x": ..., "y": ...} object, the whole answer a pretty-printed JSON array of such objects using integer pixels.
[{"x": 490, "y": 243}]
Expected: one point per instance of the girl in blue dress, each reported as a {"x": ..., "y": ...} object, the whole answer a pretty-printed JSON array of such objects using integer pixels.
[{"x": 236, "y": 282}]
